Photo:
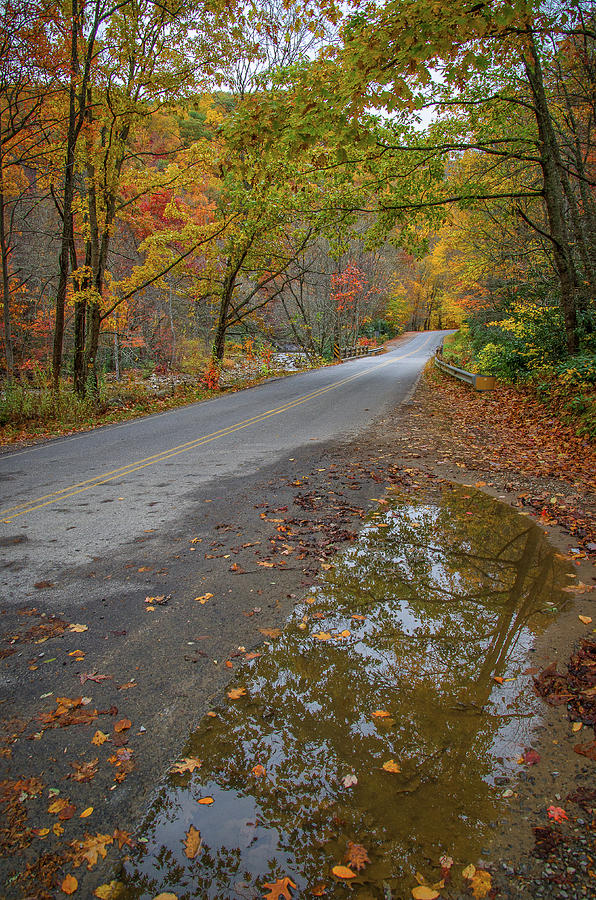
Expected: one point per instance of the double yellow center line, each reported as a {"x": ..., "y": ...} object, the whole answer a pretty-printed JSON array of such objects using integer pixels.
[{"x": 13, "y": 512}]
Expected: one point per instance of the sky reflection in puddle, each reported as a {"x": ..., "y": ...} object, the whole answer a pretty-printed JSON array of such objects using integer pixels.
[{"x": 434, "y": 599}]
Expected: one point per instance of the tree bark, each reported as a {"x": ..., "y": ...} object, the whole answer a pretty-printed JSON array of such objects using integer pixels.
[{"x": 4, "y": 252}]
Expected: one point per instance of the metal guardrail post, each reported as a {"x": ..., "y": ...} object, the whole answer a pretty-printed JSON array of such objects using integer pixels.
[{"x": 478, "y": 382}]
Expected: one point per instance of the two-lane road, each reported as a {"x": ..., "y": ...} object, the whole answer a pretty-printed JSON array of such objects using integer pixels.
[{"x": 83, "y": 496}]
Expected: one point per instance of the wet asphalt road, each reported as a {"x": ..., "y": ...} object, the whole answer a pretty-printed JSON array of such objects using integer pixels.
[{"x": 167, "y": 506}]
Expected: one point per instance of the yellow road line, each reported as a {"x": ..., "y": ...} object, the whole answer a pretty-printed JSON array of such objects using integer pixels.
[{"x": 81, "y": 486}]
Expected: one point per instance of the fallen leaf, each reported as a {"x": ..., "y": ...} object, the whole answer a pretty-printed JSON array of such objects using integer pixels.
[
  {"x": 498, "y": 678},
  {"x": 323, "y": 636},
  {"x": 587, "y": 620},
  {"x": 167, "y": 895},
  {"x": 188, "y": 764},
  {"x": 343, "y": 872},
  {"x": 78, "y": 629},
  {"x": 204, "y": 598},
  {"x": 579, "y": 588},
  {"x": 588, "y": 750},
  {"x": 576, "y": 726},
  {"x": 110, "y": 891},
  {"x": 381, "y": 714},
  {"x": 391, "y": 766},
  {"x": 90, "y": 849},
  {"x": 258, "y": 771},
  {"x": 228, "y": 664},
  {"x": 349, "y": 781},
  {"x": 236, "y": 693},
  {"x": 206, "y": 801},
  {"x": 192, "y": 842},
  {"x": 99, "y": 738},
  {"x": 318, "y": 890},
  {"x": 469, "y": 871},
  {"x": 122, "y": 725},
  {"x": 424, "y": 892},
  {"x": 358, "y": 618},
  {"x": 279, "y": 889},
  {"x": 556, "y": 813},
  {"x": 271, "y": 632},
  {"x": 57, "y": 829},
  {"x": 481, "y": 884},
  {"x": 86, "y": 813},
  {"x": 84, "y": 772},
  {"x": 531, "y": 757},
  {"x": 40, "y": 832},
  {"x": 56, "y": 806},
  {"x": 356, "y": 856},
  {"x": 69, "y": 885}
]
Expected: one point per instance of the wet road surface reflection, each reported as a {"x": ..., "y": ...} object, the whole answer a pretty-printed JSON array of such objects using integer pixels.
[{"x": 373, "y": 720}]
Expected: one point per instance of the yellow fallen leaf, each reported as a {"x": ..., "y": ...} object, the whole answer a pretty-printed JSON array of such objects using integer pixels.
[
  {"x": 111, "y": 891},
  {"x": 57, "y": 829},
  {"x": 167, "y": 895},
  {"x": 203, "y": 598},
  {"x": 323, "y": 636},
  {"x": 424, "y": 892},
  {"x": 41, "y": 832},
  {"x": 346, "y": 633},
  {"x": 469, "y": 871},
  {"x": 86, "y": 813},
  {"x": 78, "y": 629},
  {"x": 311, "y": 599},
  {"x": 391, "y": 766},
  {"x": 69, "y": 885},
  {"x": 99, "y": 738},
  {"x": 192, "y": 842},
  {"x": 481, "y": 884},
  {"x": 576, "y": 726},
  {"x": 343, "y": 872},
  {"x": 587, "y": 620}
]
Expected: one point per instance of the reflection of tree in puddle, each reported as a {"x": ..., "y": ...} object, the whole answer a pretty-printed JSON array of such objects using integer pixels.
[{"x": 451, "y": 592}]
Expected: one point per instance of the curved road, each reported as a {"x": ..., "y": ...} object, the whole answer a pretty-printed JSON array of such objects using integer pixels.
[{"x": 235, "y": 502}]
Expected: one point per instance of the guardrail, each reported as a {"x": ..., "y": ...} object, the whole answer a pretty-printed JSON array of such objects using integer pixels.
[
  {"x": 478, "y": 382},
  {"x": 352, "y": 352}
]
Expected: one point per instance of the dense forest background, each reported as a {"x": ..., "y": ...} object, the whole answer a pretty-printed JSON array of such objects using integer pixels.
[{"x": 183, "y": 182}]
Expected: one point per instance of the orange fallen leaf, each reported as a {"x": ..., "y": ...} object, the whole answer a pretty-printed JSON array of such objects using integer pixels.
[
  {"x": 69, "y": 885},
  {"x": 391, "y": 766},
  {"x": 122, "y": 725},
  {"x": 358, "y": 618},
  {"x": 236, "y": 693},
  {"x": 271, "y": 632},
  {"x": 323, "y": 636},
  {"x": 498, "y": 678},
  {"x": 279, "y": 889},
  {"x": 318, "y": 890},
  {"x": 206, "y": 801},
  {"x": 90, "y": 849},
  {"x": 587, "y": 620},
  {"x": 86, "y": 813},
  {"x": 258, "y": 770},
  {"x": 204, "y": 598},
  {"x": 188, "y": 764},
  {"x": 556, "y": 813},
  {"x": 343, "y": 872},
  {"x": 380, "y": 714},
  {"x": 192, "y": 842},
  {"x": 228, "y": 664},
  {"x": 99, "y": 738},
  {"x": 356, "y": 856},
  {"x": 481, "y": 884}
]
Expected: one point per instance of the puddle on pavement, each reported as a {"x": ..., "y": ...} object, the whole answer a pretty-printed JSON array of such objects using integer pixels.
[{"x": 434, "y": 599}]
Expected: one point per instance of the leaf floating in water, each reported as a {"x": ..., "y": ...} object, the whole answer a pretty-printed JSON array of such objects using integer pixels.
[
  {"x": 424, "y": 892},
  {"x": 356, "y": 856},
  {"x": 279, "y": 889},
  {"x": 391, "y": 766},
  {"x": 236, "y": 693},
  {"x": 192, "y": 842},
  {"x": 343, "y": 872},
  {"x": 381, "y": 714},
  {"x": 349, "y": 781}
]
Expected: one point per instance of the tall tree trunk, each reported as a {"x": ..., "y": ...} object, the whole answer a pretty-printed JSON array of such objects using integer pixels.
[
  {"x": 551, "y": 166},
  {"x": 67, "y": 223},
  {"x": 4, "y": 251}
]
